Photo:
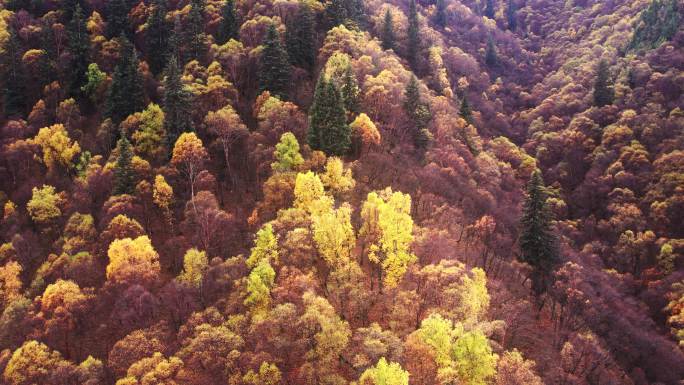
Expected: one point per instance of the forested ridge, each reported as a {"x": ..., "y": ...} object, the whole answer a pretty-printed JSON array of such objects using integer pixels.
[{"x": 265, "y": 192}]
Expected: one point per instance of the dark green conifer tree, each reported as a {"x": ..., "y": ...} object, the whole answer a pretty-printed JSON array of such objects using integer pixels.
[
  {"x": 126, "y": 93},
  {"x": 511, "y": 11},
  {"x": 117, "y": 18},
  {"x": 177, "y": 104},
  {"x": 195, "y": 38},
  {"x": 14, "y": 84},
  {"x": 328, "y": 128},
  {"x": 300, "y": 38},
  {"x": 79, "y": 47},
  {"x": 440, "y": 13},
  {"x": 603, "y": 90},
  {"x": 230, "y": 25},
  {"x": 175, "y": 49},
  {"x": 489, "y": 9},
  {"x": 491, "y": 57},
  {"x": 413, "y": 44},
  {"x": 656, "y": 24},
  {"x": 418, "y": 113},
  {"x": 466, "y": 113},
  {"x": 274, "y": 68},
  {"x": 124, "y": 182},
  {"x": 538, "y": 244},
  {"x": 157, "y": 37},
  {"x": 349, "y": 89},
  {"x": 388, "y": 31}
]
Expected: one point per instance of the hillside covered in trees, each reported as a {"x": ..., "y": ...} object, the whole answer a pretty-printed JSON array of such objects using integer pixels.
[{"x": 342, "y": 192}]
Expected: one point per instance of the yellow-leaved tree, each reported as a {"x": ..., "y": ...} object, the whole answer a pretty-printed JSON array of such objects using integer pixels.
[
  {"x": 388, "y": 233},
  {"x": 133, "y": 261},
  {"x": 58, "y": 149},
  {"x": 385, "y": 373}
]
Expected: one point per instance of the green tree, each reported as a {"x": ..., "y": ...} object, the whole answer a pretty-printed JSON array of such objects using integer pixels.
[
  {"x": 274, "y": 69},
  {"x": 349, "y": 89},
  {"x": 440, "y": 13},
  {"x": 79, "y": 47},
  {"x": 491, "y": 57},
  {"x": 94, "y": 83},
  {"x": 489, "y": 9},
  {"x": 603, "y": 90},
  {"x": 195, "y": 38},
  {"x": 230, "y": 25},
  {"x": 473, "y": 358},
  {"x": 466, "y": 112},
  {"x": 413, "y": 45},
  {"x": 14, "y": 85},
  {"x": 388, "y": 31},
  {"x": 126, "y": 93},
  {"x": 156, "y": 37},
  {"x": 418, "y": 113},
  {"x": 195, "y": 263},
  {"x": 300, "y": 38},
  {"x": 177, "y": 103},
  {"x": 259, "y": 284},
  {"x": 511, "y": 15},
  {"x": 328, "y": 128},
  {"x": 537, "y": 241},
  {"x": 657, "y": 23},
  {"x": 117, "y": 18},
  {"x": 265, "y": 247},
  {"x": 286, "y": 154},
  {"x": 124, "y": 178}
]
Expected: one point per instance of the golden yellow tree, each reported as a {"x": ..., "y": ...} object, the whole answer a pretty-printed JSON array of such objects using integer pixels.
[
  {"x": 195, "y": 263},
  {"x": 133, "y": 261},
  {"x": 336, "y": 179},
  {"x": 388, "y": 233},
  {"x": 58, "y": 149},
  {"x": 44, "y": 206}
]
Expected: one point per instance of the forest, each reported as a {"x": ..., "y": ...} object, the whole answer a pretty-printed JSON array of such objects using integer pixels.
[{"x": 342, "y": 192}]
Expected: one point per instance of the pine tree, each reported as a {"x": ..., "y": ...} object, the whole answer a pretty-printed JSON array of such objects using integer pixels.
[
  {"x": 440, "y": 13},
  {"x": 350, "y": 91},
  {"x": 14, "y": 95},
  {"x": 413, "y": 46},
  {"x": 418, "y": 113},
  {"x": 230, "y": 26},
  {"x": 177, "y": 104},
  {"x": 603, "y": 91},
  {"x": 388, "y": 31},
  {"x": 466, "y": 113},
  {"x": 491, "y": 58},
  {"x": 336, "y": 13},
  {"x": 126, "y": 93},
  {"x": 176, "y": 42},
  {"x": 328, "y": 128},
  {"x": 538, "y": 244},
  {"x": 195, "y": 38},
  {"x": 124, "y": 182},
  {"x": 156, "y": 37},
  {"x": 657, "y": 23},
  {"x": 275, "y": 65},
  {"x": 489, "y": 9},
  {"x": 79, "y": 45},
  {"x": 511, "y": 15},
  {"x": 300, "y": 38},
  {"x": 117, "y": 18}
]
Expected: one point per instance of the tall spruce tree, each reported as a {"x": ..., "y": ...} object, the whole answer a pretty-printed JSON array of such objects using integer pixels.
[
  {"x": 175, "y": 49},
  {"x": 440, "y": 13},
  {"x": 466, "y": 113},
  {"x": 388, "y": 31},
  {"x": 117, "y": 18},
  {"x": 300, "y": 38},
  {"x": 328, "y": 128},
  {"x": 195, "y": 38},
  {"x": 489, "y": 9},
  {"x": 124, "y": 182},
  {"x": 157, "y": 37},
  {"x": 657, "y": 24},
  {"x": 14, "y": 85},
  {"x": 603, "y": 90},
  {"x": 274, "y": 74},
  {"x": 413, "y": 44},
  {"x": 538, "y": 244},
  {"x": 230, "y": 25},
  {"x": 349, "y": 88},
  {"x": 511, "y": 15},
  {"x": 491, "y": 57},
  {"x": 126, "y": 93},
  {"x": 418, "y": 113},
  {"x": 79, "y": 47},
  {"x": 177, "y": 104}
]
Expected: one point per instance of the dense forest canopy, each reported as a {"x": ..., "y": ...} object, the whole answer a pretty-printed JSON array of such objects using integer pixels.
[{"x": 367, "y": 192}]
